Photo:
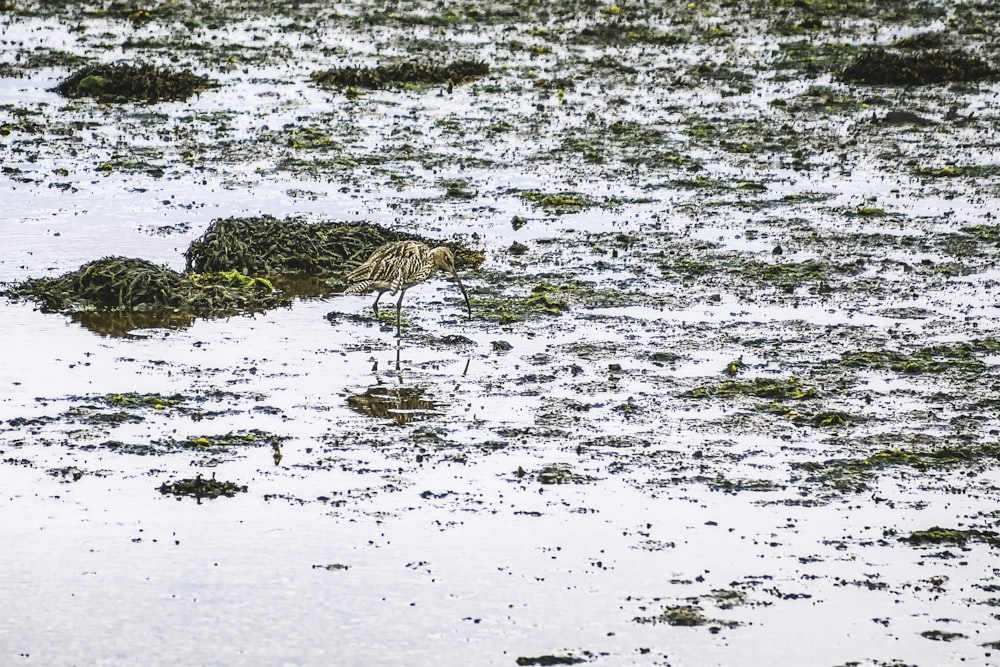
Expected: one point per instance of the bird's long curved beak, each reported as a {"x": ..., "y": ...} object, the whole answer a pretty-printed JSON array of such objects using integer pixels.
[{"x": 465, "y": 294}]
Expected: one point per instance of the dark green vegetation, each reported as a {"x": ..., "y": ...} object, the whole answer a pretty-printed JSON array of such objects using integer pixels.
[
  {"x": 123, "y": 82},
  {"x": 542, "y": 299},
  {"x": 201, "y": 488},
  {"x": 933, "y": 359},
  {"x": 268, "y": 246},
  {"x": 791, "y": 388},
  {"x": 855, "y": 475},
  {"x": 881, "y": 67},
  {"x": 134, "y": 285},
  {"x": 938, "y": 535},
  {"x": 383, "y": 76},
  {"x": 226, "y": 266}
]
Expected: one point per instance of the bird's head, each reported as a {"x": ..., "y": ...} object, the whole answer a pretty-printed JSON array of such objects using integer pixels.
[{"x": 443, "y": 259}]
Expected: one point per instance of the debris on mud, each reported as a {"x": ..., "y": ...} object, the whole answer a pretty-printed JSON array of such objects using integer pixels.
[
  {"x": 122, "y": 284},
  {"x": 617, "y": 33},
  {"x": 199, "y": 488},
  {"x": 268, "y": 246},
  {"x": 123, "y": 82},
  {"x": 382, "y": 76},
  {"x": 881, "y": 67}
]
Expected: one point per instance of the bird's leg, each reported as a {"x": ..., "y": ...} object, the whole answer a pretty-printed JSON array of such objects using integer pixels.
[
  {"x": 375, "y": 305},
  {"x": 399, "y": 307}
]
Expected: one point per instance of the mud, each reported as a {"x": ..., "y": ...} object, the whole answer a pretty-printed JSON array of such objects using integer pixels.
[{"x": 728, "y": 394}]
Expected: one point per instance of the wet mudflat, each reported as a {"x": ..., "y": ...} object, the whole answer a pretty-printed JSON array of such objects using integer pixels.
[{"x": 728, "y": 395}]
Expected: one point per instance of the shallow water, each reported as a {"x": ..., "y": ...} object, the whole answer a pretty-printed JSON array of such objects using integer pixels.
[{"x": 430, "y": 538}]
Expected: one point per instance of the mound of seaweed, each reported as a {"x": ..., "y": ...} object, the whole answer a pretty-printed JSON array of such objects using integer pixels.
[
  {"x": 122, "y": 284},
  {"x": 881, "y": 67},
  {"x": 460, "y": 71},
  {"x": 122, "y": 82},
  {"x": 268, "y": 246}
]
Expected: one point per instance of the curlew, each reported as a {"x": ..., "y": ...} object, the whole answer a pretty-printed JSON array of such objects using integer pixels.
[{"x": 398, "y": 266}]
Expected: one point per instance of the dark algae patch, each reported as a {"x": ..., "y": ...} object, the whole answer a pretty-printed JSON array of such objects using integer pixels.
[
  {"x": 544, "y": 299},
  {"x": 133, "y": 400},
  {"x": 958, "y": 537},
  {"x": 774, "y": 389},
  {"x": 853, "y": 475},
  {"x": 122, "y": 284},
  {"x": 271, "y": 246},
  {"x": 201, "y": 488},
  {"x": 413, "y": 72},
  {"x": 685, "y": 615},
  {"x": 882, "y": 67},
  {"x": 932, "y": 359},
  {"x": 124, "y": 82},
  {"x": 550, "y": 659}
]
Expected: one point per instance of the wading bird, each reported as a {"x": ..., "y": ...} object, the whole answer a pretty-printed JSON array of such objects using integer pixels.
[{"x": 398, "y": 266}]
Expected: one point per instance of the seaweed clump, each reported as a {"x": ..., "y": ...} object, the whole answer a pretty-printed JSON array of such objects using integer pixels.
[
  {"x": 881, "y": 67},
  {"x": 939, "y": 535},
  {"x": 122, "y": 82},
  {"x": 382, "y": 76},
  {"x": 269, "y": 246},
  {"x": 199, "y": 488},
  {"x": 122, "y": 284}
]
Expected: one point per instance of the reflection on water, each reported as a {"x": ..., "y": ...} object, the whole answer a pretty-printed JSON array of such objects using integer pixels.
[
  {"x": 124, "y": 323},
  {"x": 401, "y": 404},
  {"x": 304, "y": 286},
  {"x": 119, "y": 324}
]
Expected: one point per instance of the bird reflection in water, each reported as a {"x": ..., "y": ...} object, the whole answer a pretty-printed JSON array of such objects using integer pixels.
[
  {"x": 396, "y": 402},
  {"x": 402, "y": 404}
]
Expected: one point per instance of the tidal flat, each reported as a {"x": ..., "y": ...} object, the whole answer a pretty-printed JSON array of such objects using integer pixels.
[{"x": 729, "y": 390}]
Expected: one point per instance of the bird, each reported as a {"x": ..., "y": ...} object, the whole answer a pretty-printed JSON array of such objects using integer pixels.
[{"x": 398, "y": 266}]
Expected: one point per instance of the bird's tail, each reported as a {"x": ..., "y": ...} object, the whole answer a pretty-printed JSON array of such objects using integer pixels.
[{"x": 361, "y": 286}]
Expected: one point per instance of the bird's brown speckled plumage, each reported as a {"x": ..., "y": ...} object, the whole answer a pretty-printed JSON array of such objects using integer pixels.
[{"x": 395, "y": 267}]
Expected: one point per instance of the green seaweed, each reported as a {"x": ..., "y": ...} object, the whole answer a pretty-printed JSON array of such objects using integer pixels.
[
  {"x": 543, "y": 299},
  {"x": 960, "y": 537},
  {"x": 382, "y": 76},
  {"x": 854, "y": 474},
  {"x": 124, "y": 82},
  {"x": 790, "y": 389},
  {"x": 933, "y": 359}
]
